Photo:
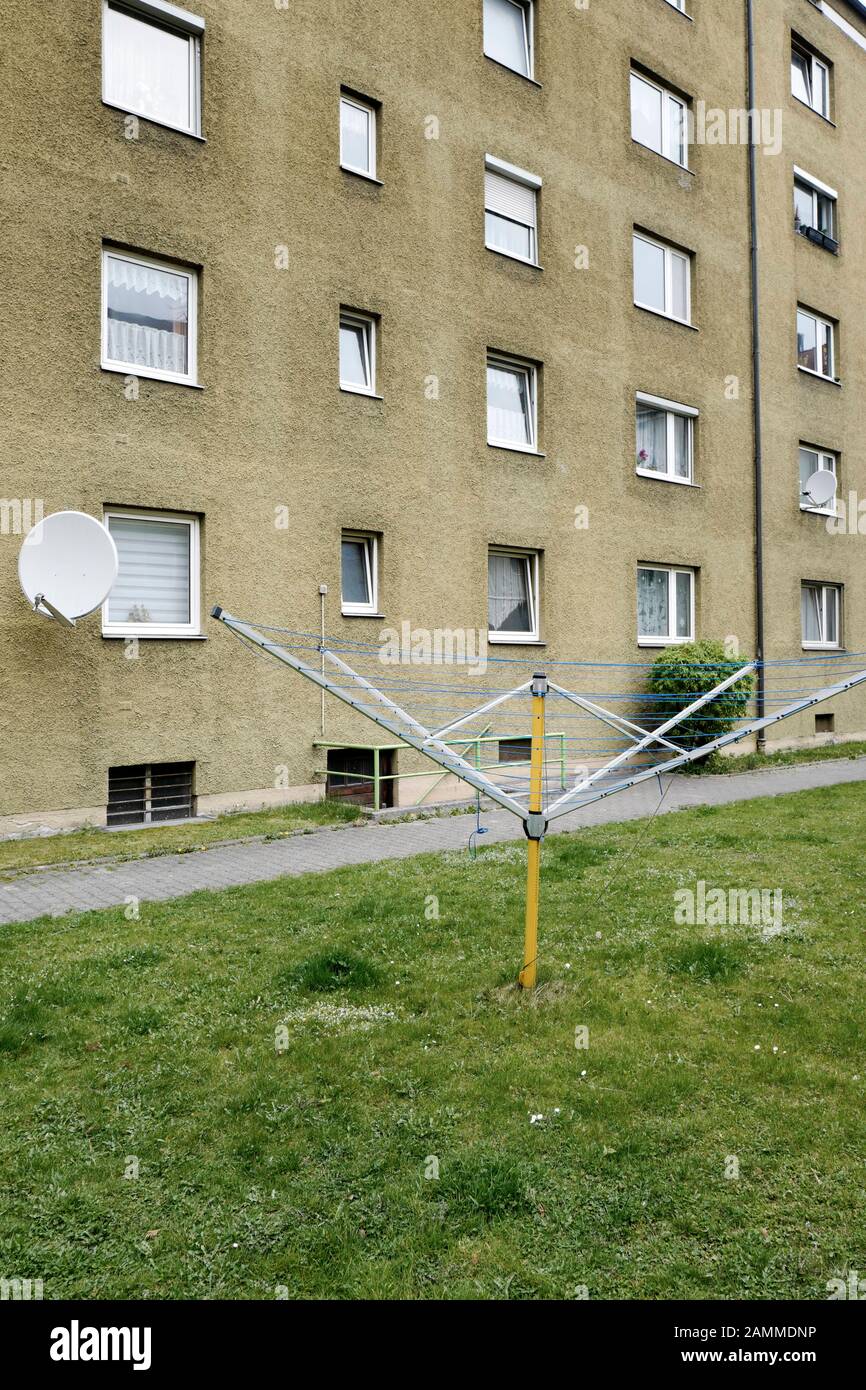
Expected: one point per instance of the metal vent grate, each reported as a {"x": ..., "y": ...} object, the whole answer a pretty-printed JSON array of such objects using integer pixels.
[{"x": 149, "y": 792}]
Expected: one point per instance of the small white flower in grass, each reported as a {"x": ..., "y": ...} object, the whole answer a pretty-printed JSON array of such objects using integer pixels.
[
  {"x": 757, "y": 1047},
  {"x": 583, "y": 1073},
  {"x": 568, "y": 966},
  {"x": 775, "y": 1049},
  {"x": 598, "y": 936},
  {"x": 535, "y": 1119}
]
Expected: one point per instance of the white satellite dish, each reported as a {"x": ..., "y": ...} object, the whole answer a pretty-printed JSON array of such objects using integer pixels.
[
  {"x": 67, "y": 566},
  {"x": 821, "y": 487}
]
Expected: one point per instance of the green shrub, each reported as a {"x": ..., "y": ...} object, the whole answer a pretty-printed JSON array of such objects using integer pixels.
[{"x": 677, "y": 678}]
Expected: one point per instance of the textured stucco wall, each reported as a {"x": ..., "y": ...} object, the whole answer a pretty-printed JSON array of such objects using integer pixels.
[{"x": 271, "y": 428}]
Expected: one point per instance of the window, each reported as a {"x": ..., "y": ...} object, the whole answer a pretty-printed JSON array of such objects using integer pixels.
[
  {"x": 665, "y": 605},
  {"x": 658, "y": 119},
  {"x": 815, "y": 344},
  {"x": 515, "y": 750},
  {"x": 820, "y": 606},
  {"x": 814, "y": 209},
  {"x": 151, "y": 62},
  {"x": 156, "y": 593},
  {"x": 810, "y": 79},
  {"x": 662, "y": 278},
  {"x": 358, "y": 574},
  {"x": 140, "y": 795},
  {"x": 512, "y": 595},
  {"x": 510, "y": 210},
  {"x": 665, "y": 439},
  {"x": 511, "y": 410},
  {"x": 357, "y": 352},
  {"x": 149, "y": 320},
  {"x": 678, "y": 5},
  {"x": 508, "y": 34},
  {"x": 356, "y": 775},
  {"x": 811, "y": 461},
  {"x": 357, "y": 136}
]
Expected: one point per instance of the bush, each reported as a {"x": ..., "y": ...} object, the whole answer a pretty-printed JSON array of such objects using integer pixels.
[{"x": 679, "y": 675}]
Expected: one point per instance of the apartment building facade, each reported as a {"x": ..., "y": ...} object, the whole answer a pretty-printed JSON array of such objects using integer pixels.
[{"x": 446, "y": 310}]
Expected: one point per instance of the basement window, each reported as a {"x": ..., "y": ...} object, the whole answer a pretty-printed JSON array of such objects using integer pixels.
[
  {"x": 515, "y": 750},
  {"x": 151, "y": 62},
  {"x": 351, "y": 776},
  {"x": 150, "y": 792},
  {"x": 825, "y": 723}
]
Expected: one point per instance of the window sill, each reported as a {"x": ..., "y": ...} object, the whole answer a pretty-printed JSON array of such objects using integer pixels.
[
  {"x": 671, "y": 318},
  {"x": 359, "y": 174},
  {"x": 817, "y": 511},
  {"x": 664, "y": 641},
  {"x": 379, "y": 616},
  {"x": 151, "y": 120},
  {"x": 507, "y": 68},
  {"x": 676, "y": 9},
  {"x": 819, "y": 376},
  {"x": 816, "y": 237},
  {"x": 819, "y": 114},
  {"x": 358, "y": 391},
  {"x": 496, "y": 641},
  {"x": 666, "y": 478},
  {"x": 822, "y": 647},
  {"x": 155, "y": 636},
  {"x": 674, "y": 163},
  {"x": 515, "y": 449},
  {"x": 148, "y": 374},
  {"x": 506, "y": 255}
]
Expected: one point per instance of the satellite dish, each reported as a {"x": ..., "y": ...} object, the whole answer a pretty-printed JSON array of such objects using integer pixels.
[
  {"x": 821, "y": 487},
  {"x": 67, "y": 566}
]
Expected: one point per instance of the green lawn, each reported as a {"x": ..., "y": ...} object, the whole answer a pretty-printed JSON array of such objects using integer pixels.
[
  {"x": 305, "y": 1169},
  {"x": 785, "y": 757},
  {"x": 79, "y": 846}
]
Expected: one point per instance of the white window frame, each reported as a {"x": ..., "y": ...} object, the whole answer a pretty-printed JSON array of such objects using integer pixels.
[
  {"x": 530, "y": 371},
  {"x": 667, "y": 97},
  {"x": 678, "y": 5},
  {"x": 516, "y": 175},
  {"x": 349, "y": 99},
  {"x": 827, "y": 459},
  {"x": 829, "y": 326},
  {"x": 370, "y": 542},
  {"x": 671, "y": 640},
  {"x": 149, "y": 630},
  {"x": 356, "y": 319},
  {"x": 670, "y": 252},
  {"x": 164, "y": 16},
  {"x": 818, "y": 190},
  {"x": 528, "y": 9},
  {"x": 532, "y": 558},
  {"x": 827, "y": 590},
  {"x": 672, "y": 409},
  {"x": 109, "y": 364},
  {"x": 814, "y": 63}
]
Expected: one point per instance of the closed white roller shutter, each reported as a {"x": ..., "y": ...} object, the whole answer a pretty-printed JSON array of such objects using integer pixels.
[
  {"x": 508, "y": 198},
  {"x": 153, "y": 581}
]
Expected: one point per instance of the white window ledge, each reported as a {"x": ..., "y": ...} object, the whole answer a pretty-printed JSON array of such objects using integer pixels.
[
  {"x": 666, "y": 478},
  {"x": 674, "y": 163},
  {"x": 822, "y": 646},
  {"x": 163, "y": 125},
  {"x": 664, "y": 641},
  {"x": 361, "y": 174},
  {"x": 139, "y": 632},
  {"x": 515, "y": 449},
  {"x": 660, "y": 314},
  {"x": 831, "y": 380},
  {"x": 347, "y": 614},
  {"x": 149, "y": 374},
  {"x": 514, "y": 641},
  {"x": 359, "y": 391},
  {"x": 521, "y": 260},
  {"x": 506, "y": 68}
]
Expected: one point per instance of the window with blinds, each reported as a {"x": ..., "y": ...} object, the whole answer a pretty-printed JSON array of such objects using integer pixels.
[
  {"x": 146, "y": 793},
  {"x": 156, "y": 593},
  {"x": 510, "y": 212}
]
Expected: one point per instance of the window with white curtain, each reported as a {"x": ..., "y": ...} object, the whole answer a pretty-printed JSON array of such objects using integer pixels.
[
  {"x": 512, "y": 595},
  {"x": 511, "y": 210},
  {"x": 658, "y": 119},
  {"x": 357, "y": 135},
  {"x": 665, "y": 439},
  {"x": 821, "y": 606},
  {"x": 662, "y": 278},
  {"x": 151, "y": 62},
  {"x": 508, "y": 34},
  {"x": 511, "y": 404},
  {"x": 148, "y": 317},
  {"x": 357, "y": 352},
  {"x": 813, "y": 461},
  {"x": 358, "y": 573},
  {"x": 665, "y": 605},
  {"x": 810, "y": 79},
  {"x": 816, "y": 347},
  {"x": 156, "y": 593}
]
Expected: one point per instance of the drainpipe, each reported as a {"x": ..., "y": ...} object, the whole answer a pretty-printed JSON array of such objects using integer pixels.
[{"x": 756, "y": 371}]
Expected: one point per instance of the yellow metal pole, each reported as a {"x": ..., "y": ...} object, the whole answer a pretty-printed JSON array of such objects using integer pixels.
[{"x": 534, "y": 831}]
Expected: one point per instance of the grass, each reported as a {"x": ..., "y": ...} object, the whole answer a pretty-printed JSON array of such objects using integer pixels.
[
  {"x": 785, "y": 757},
  {"x": 80, "y": 846},
  {"x": 328, "y": 1087}
]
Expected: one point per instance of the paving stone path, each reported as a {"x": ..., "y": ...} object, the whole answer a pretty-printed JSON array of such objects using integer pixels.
[{"x": 51, "y": 892}]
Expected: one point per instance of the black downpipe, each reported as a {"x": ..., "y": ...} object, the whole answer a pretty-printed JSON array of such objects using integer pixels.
[{"x": 756, "y": 373}]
